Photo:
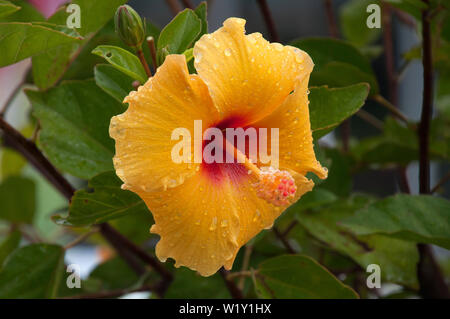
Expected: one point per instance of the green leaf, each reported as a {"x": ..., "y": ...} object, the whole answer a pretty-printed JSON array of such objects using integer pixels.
[
  {"x": 75, "y": 120},
  {"x": 32, "y": 271},
  {"x": 107, "y": 201},
  {"x": 17, "y": 200},
  {"x": 95, "y": 14},
  {"x": 353, "y": 18},
  {"x": 22, "y": 40},
  {"x": 422, "y": 219},
  {"x": 326, "y": 50},
  {"x": 123, "y": 61},
  {"x": 113, "y": 82},
  {"x": 179, "y": 35},
  {"x": 201, "y": 11},
  {"x": 8, "y": 245},
  {"x": 413, "y": 7},
  {"x": 12, "y": 163},
  {"x": 188, "y": 284},
  {"x": 339, "y": 74},
  {"x": 397, "y": 258},
  {"x": 299, "y": 277},
  {"x": 339, "y": 179},
  {"x": 329, "y": 107},
  {"x": 337, "y": 63},
  {"x": 27, "y": 13},
  {"x": 114, "y": 274},
  {"x": 7, "y": 8},
  {"x": 399, "y": 144}
]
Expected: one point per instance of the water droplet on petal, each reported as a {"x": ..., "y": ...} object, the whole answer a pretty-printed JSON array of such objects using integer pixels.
[{"x": 227, "y": 52}]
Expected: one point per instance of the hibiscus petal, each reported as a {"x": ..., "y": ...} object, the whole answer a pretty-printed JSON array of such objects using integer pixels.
[
  {"x": 296, "y": 148},
  {"x": 198, "y": 224},
  {"x": 247, "y": 75},
  {"x": 169, "y": 100}
]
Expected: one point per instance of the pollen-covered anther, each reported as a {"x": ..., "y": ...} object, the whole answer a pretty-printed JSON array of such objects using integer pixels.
[{"x": 275, "y": 186}]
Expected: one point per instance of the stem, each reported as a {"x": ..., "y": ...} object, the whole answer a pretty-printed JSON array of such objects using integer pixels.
[
  {"x": 144, "y": 63},
  {"x": 431, "y": 280},
  {"x": 283, "y": 239},
  {"x": 152, "y": 47},
  {"x": 110, "y": 232},
  {"x": 394, "y": 110},
  {"x": 443, "y": 180},
  {"x": 245, "y": 263},
  {"x": 17, "y": 141},
  {"x": 235, "y": 292},
  {"x": 290, "y": 227},
  {"x": 80, "y": 239},
  {"x": 372, "y": 120},
  {"x": 124, "y": 247},
  {"x": 10, "y": 99},
  {"x": 332, "y": 25},
  {"x": 268, "y": 20},
  {"x": 389, "y": 52},
  {"x": 334, "y": 33}
]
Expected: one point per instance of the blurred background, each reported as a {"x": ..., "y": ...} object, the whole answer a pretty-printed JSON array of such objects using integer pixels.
[{"x": 292, "y": 19}]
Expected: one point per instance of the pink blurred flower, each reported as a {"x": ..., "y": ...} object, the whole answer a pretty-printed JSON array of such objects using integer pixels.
[{"x": 47, "y": 7}]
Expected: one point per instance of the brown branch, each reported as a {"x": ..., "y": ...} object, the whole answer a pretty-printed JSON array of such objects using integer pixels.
[
  {"x": 265, "y": 10},
  {"x": 125, "y": 243},
  {"x": 332, "y": 25},
  {"x": 235, "y": 292},
  {"x": 431, "y": 280},
  {"x": 127, "y": 249},
  {"x": 372, "y": 120},
  {"x": 17, "y": 141}
]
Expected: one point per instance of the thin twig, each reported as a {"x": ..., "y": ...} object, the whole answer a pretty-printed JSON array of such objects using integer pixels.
[
  {"x": 372, "y": 120},
  {"x": 389, "y": 52},
  {"x": 332, "y": 25},
  {"x": 245, "y": 263},
  {"x": 17, "y": 141},
  {"x": 110, "y": 232},
  {"x": 431, "y": 280},
  {"x": 283, "y": 239},
  {"x": 144, "y": 63},
  {"x": 235, "y": 292},
  {"x": 392, "y": 108},
  {"x": 125, "y": 248},
  {"x": 265, "y": 10},
  {"x": 240, "y": 274},
  {"x": 439, "y": 184},
  {"x": 290, "y": 227},
  {"x": 10, "y": 99},
  {"x": 81, "y": 238},
  {"x": 152, "y": 48}
]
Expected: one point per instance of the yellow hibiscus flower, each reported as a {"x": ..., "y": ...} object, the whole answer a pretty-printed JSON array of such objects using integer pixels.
[{"x": 205, "y": 212}]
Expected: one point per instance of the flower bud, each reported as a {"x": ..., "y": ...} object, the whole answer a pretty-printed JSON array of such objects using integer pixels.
[{"x": 129, "y": 26}]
